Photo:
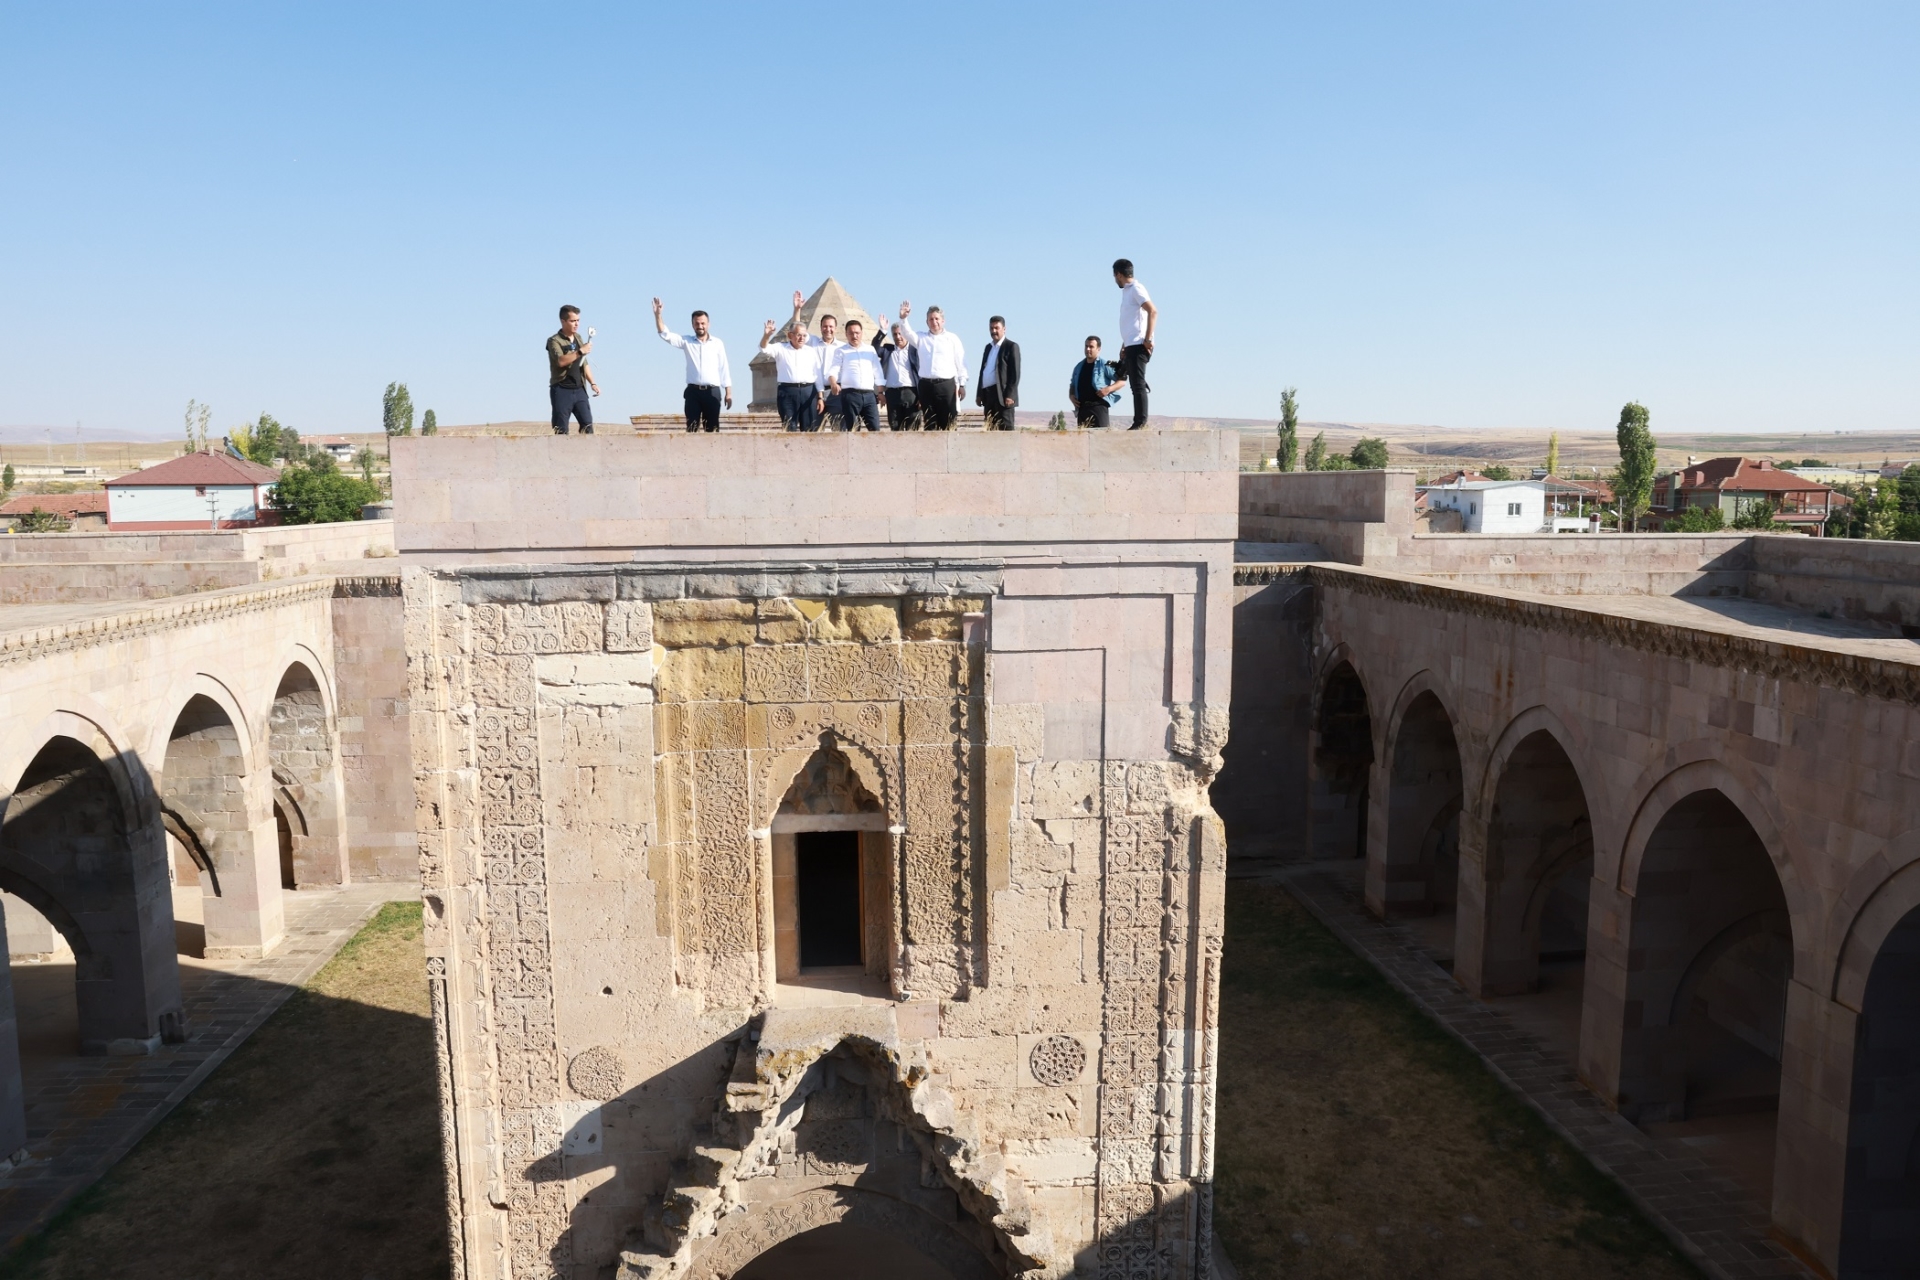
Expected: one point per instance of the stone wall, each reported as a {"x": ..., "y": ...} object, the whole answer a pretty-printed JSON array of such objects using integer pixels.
[
  {"x": 52, "y": 568},
  {"x": 607, "y": 755},
  {"x": 376, "y": 756}
]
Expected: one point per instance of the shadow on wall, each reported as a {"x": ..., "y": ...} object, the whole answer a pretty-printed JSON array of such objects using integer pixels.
[
  {"x": 837, "y": 1177},
  {"x": 1261, "y": 789}
]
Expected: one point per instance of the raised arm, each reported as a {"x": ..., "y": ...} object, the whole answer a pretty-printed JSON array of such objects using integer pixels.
[
  {"x": 906, "y": 324},
  {"x": 765, "y": 335},
  {"x": 660, "y": 325}
]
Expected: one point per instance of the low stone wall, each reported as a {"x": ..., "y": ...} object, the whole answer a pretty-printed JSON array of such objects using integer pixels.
[
  {"x": 1358, "y": 517},
  {"x": 54, "y": 568},
  {"x": 1843, "y": 577},
  {"x": 126, "y": 580}
]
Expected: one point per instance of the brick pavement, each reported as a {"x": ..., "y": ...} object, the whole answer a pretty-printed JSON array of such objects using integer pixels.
[
  {"x": 84, "y": 1114},
  {"x": 1715, "y": 1222}
]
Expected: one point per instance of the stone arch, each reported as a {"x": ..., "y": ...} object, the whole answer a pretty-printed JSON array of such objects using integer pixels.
[
  {"x": 1710, "y": 950},
  {"x": 306, "y": 795},
  {"x": 205, "y": 775},
  {"x": 1877, "y": 898},
  {"x": 1526, "y": 865},
  {"x": 84, "y": 720},
  {"x": 760, "y": 1234},
  {"x": 222, "y": 695},
  {"x": 870, "y": 762},
  {"x": 1880, "y": 1205},
  {"x": 1415, "y": 868},
  {"x": 1340, "y": 760},
  {"x": 68, "y": 849}
]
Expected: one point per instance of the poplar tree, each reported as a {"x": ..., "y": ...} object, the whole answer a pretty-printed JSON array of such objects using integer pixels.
[
  {"x": 1553, "y": 453},
  {"x": 1317, "y": 453},
  {"x": 1633, "y": 482},
  {"x": 396, "y": 410},
  {"x": 429, "y": 425},
  {"x": 1288, "y": 455}
]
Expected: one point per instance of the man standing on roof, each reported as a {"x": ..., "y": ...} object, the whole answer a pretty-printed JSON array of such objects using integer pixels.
[
  {"x": 709, "y": 381},
  {"x": 902, "y": 364},
  {"x": 943, "y": 367},
  {"x": 829, "y": 347},
  {"x": 853, "y": 376},
  {"x": 802, "y": 378},
  {"x": 999, "y": 377},
  {"x": 1138, "y": 318},
  {"x": 1092, "y": 388},
  {"x": 568, "y": 376}
]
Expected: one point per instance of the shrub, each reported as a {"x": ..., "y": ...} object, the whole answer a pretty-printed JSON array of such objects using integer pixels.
[{"x": 306, "y": 495}]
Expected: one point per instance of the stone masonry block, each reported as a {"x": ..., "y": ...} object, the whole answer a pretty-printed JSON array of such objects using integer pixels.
[{"x": 702, "y": 675}]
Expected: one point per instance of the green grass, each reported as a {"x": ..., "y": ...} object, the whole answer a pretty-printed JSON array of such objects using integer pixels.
[
  {"x": 1357, "y": 1140},
  {"x": 314, "y": 1151}
]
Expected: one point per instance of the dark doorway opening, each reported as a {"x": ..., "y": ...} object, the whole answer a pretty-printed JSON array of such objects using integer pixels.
[
  {"x": 827, "y": 875},
  {"x": 285, "y": 832}
]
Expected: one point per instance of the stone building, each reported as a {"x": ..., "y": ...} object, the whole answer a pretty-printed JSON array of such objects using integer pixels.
[{"x": 816, "y": 848}]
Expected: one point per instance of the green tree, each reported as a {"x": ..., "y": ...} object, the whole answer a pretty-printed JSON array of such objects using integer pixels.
[
  {"x": 306, "y": 496},
  {"x": 1317, "y": 452},
  {"x": 365, "y": 460},
  {"x": 1698, "y": 520},
  {"x": 1758, "y": 516},
  {"x": 1639, "y": 456},
  {"x": 429, "y": 425},
  {"x": 1497, "y": 471},
  {"x": 38, "y": 521},
  {"x": 1813, "y": 462},
  {"x": 1553, "y": 453},
  {"x": 7, "y": 479},
  {"x": 1288, "y": 455},
  {"x": 263, "y": 441},
  {"x": 396, "y": 410},
  {"x": 1370, "y": 454}
]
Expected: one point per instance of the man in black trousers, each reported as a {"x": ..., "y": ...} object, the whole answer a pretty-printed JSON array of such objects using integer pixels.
[
  {"x": 902, "y": 364},
  {"x": 999, "y": 377}
]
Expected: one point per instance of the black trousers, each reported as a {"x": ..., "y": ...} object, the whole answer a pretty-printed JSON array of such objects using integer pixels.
[
  {"x": 999, "y": 412},
  {"x": 833, "y": 415},
  {"x": 796, "y": 401},
  {"x": 1092, "y": 415},
  {"x": 571, "y": 402},
  {"x": 859, "y": 406},
  {"x": 1133, "y": 367},
  {"x": 903, "y": 409},
  {"x": 942, "y": 406},
  {"x": 703, "y": 408}
]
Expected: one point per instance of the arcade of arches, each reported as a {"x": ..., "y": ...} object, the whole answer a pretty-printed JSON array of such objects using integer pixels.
[{"x": 1698, "y": 886}]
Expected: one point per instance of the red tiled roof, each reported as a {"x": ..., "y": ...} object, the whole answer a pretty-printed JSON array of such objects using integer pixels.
[
  {"x": 199, "y": 469},
  {"x": 62, "y": 504},
  {"x": 1743, "y": 475}
]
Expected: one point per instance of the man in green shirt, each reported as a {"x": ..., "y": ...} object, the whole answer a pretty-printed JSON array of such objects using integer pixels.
[{"x": 568, "y": 375}]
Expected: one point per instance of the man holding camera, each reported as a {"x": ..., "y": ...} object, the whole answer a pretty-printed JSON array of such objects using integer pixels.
[{"x": 568, "y": 375}]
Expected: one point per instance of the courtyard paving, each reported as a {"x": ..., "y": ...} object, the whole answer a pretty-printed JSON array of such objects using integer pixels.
[
  {"x": 1718, "y": 1222},
  {"x": 85, "y": 1113}
]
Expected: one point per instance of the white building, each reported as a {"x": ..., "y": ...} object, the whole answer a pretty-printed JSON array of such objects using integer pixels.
[
  {"x": 193, "y": 491},
  {"x": 1493, "y": 506}
]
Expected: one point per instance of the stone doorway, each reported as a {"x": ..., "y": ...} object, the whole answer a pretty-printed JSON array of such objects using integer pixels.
[{"x": 828, "y": 899}]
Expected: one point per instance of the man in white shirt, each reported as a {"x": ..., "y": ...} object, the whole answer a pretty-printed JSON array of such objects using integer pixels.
[
  {"x": 902, "y": 364},
  {"x": 943, "y": 367},
  {"x": 828, "y": 348},
  {"x": 802, "y": 377},
  {"x": 853, "y": 377},
  {"x": 709, "y": 381},
  {"x": 999, "y": 377},
  {"x": 1138, "y": 316}
]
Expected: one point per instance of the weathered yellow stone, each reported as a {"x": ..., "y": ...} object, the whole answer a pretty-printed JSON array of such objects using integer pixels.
[
  {"x": 683, "y": 624},
  {"x": 702, "y": 675},
  {"x": 782, "y": 621},
  {"x": 937, "y": 617},
  {"x": 868, "y": 621}
]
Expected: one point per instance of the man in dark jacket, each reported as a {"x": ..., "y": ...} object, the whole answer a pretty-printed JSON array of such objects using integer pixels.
[
  {"x": 902, "y": 365},
  {"x": 999, "y": 377}
]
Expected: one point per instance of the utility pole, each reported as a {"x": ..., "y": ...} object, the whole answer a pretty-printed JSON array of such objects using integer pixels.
[{"x": 213, "y": 510}]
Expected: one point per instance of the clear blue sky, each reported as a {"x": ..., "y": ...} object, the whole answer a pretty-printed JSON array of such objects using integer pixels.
[{"x": 1463, "y": 214}]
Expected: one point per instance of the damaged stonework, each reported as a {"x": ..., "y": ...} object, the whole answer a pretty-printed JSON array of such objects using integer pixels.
[
  {"x": 779, "y": 1152},
  {"x": 862, "y": 891}
]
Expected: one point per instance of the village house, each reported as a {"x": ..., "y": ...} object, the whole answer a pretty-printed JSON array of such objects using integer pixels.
[
  {"x": 1736, "y": 486},
  {"x": 193, "y": 491}
]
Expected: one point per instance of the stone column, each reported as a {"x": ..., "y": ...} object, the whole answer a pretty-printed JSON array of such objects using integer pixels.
[
  {"x": 13, "y": 1113},
  {"x": 1810, "y": 1151}
]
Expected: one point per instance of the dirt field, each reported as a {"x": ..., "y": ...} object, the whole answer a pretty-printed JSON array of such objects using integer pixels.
[
  {"x": 313, "y": 1152},
  {"x": 1359, "y": 1142}
]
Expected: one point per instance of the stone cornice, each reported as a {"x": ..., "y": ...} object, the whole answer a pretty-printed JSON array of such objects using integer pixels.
[
  {"x": 1805, "y": 663},
  {"x": 160, "y": 615}
]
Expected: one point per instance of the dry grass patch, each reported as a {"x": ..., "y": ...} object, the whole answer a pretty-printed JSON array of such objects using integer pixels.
[
  {"x": 314, "y": 1151},
  {"x": 1358, "y": 1140}
]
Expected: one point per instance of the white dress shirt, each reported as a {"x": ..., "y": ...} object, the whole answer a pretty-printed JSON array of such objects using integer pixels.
[
  {"x": 942, "y": 355},
  {"x": 855, "y": 368},
  {"x": 900, "y": 366},
  {"x": 798, "y": 364},
  {"x": 827, "y": 350},
  {"x": 706, "y": 361},
  {"x": 1133, "y": 316},
  {"x": 992, "y": 373}
]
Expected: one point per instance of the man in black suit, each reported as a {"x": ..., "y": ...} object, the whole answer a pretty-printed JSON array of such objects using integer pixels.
[
  {"x": 902, "y": 365},
  {"x": 999, "y": 377}
]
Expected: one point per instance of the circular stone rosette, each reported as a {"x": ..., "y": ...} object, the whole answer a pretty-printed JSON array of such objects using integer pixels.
[
  {"x": 1057, "y": 1060},
  {"x": 597, "y": 1073}
]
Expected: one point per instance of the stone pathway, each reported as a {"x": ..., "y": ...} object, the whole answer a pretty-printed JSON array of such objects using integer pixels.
[
  {"x": 84, "y": 1114},
  {"x": 1715, "y": 1222}
]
